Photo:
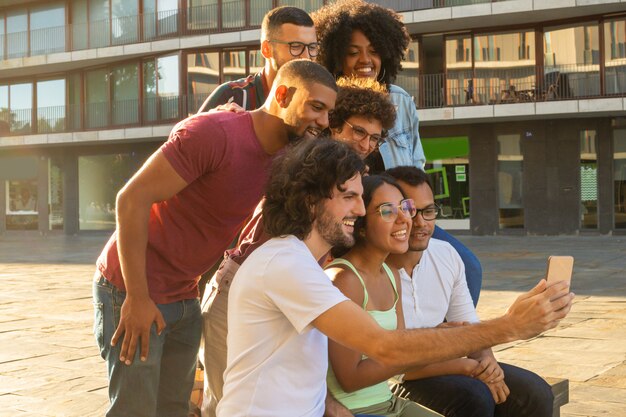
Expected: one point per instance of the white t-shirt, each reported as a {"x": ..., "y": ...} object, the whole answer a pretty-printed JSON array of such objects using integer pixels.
[
  {"x": 277, "y": 361},
  {"x": 437, "y": 289}
]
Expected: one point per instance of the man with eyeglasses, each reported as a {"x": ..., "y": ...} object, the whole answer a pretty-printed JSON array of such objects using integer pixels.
[
  {"x": 283, "y": 306},
  {"x": 434, "y": 289},
  {"x": 286, "y": 33}
]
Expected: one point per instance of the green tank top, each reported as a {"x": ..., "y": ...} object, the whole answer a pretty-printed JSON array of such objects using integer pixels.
[{"x": 388, "y": 320}]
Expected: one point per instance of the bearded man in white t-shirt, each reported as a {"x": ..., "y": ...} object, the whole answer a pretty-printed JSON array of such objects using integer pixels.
[
  {"x": 282, "y": 306},
  {"x": 434, "y": 289}
]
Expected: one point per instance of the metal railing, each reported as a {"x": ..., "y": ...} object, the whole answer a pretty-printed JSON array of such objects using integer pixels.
[
  {"x": 518, "y": 85},
  {"x": 408, "y": 5}
]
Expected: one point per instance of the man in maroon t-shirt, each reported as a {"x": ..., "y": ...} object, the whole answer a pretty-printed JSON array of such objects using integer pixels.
[
  {"x": 175, "y": 218},
  {"x": 362, "y": 104}
]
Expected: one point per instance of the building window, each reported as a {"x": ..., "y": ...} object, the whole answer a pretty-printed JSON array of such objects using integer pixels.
[
  {"x": 47, "y": 29},
  {"x": 125, "y": 94},
  {"x": 161, "y": 88},
  {"x": 51, "y": 106},
  {"x": 258, "y": 9},
  {"x": 588, "y": 180},
  {"x": 20, "y": 108},
  {"x": 97, "y": 98},
  {"x": 615, "y": 53},
  {"x": 202, "y": 14},
  {"x": 504, "y": 67},
  {"x": 203, "y": 72},
  {"x": 509, "y": 180},
  {"x": 160, "y": 18},
  {"x": 99, "y": 25},
  {"x": 22, "y": 212},
  {"x": 459, "y": 77},
  {"x": 571, "y": 62},
  {"x": 17, "y": 33},
  {"x": 234, "y": 65},
  {"x": 408, "y": 78},
  {"x": 124, "y": 21},
  {"x": 100, "y": 177},
  {"x": 233, "y": 14}
]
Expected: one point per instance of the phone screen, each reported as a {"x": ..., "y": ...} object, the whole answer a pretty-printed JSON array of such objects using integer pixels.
[{"x": 560, "y": 268}]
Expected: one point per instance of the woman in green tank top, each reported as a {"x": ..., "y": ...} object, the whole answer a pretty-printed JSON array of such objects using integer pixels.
[{"x": 359, "y": 383}]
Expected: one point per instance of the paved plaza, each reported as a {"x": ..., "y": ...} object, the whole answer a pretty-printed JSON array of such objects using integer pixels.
[{"x": 50, "y": 366}]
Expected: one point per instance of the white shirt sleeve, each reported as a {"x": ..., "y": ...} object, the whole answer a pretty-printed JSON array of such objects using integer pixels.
[{"x": 301, "y": 297}]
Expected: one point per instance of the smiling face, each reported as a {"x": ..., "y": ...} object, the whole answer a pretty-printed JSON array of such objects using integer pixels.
[
  {"x": 336, "y": 216},
  {"x": 361, "y": 59},
  {"x": 306, "y": 113},
  {"x": 389, "y": 237},
  {"x": 422, "y": 229},
  {"x": 346, "y": 134}
]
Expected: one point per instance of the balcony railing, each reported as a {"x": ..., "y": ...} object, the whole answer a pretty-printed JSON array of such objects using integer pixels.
[
  {"x": 456, "y": 88},
  {"x": 407, "y": 5},
  {"x": 100, "y": 115},
  {"x": 520, "y": 85}
]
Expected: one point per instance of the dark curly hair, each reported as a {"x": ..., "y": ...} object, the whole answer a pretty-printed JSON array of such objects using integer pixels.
[
  {"x": 335, "y": 23},
  {"x": 302, "y": 177},
  {"x": 363, "y": 97},
  {"x": 371, "y": 183}
]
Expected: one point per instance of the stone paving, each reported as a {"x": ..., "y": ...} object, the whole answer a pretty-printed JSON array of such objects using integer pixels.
[{"x": 50, "y": 366}]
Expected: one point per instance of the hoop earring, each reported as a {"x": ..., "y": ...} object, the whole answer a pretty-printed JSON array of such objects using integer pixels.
[{"x": 381, "y": 77}]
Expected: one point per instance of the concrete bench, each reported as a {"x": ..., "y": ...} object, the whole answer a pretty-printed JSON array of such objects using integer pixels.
[{"x": 560, "y": 389}]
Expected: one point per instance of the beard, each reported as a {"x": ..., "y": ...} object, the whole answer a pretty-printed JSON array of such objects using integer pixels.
[{"x": 332, "y": 231}]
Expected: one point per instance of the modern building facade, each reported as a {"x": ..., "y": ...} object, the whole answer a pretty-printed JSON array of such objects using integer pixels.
[{"x": 522, "y": 103}]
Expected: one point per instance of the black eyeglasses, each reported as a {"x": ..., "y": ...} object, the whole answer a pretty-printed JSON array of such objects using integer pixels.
[
  {"x": 360, "y": 134},
  {"x": 429, "y": 213},
  {"x": 389, "y": 211},
  {"x": 297, "y": 48}
]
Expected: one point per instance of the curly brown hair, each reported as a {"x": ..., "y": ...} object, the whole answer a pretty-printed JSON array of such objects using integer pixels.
[
  {"x": 302, "y": 177},
  {"x": 335, "y": 23},
  {"x": 363, "y": 97}
]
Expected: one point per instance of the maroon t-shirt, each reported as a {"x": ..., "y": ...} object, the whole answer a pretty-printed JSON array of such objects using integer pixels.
[
  {"x": 226, "y": 169},
  {"x": 252, "y": 236}
]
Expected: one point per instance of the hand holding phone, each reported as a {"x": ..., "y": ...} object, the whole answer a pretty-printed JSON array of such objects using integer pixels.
[{"x": 559, "y": 269}]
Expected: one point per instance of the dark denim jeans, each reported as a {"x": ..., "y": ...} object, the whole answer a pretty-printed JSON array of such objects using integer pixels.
[
  {"x": 160, "y": 386},
  {"x": 463, "y": 396},
  {"x": 473, "y": 270}
]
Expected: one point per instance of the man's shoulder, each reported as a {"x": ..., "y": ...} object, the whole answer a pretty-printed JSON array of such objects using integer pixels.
[
  {"x": 279, "y": 252},
  {"x": 232, "y": 87},
  {"x": 442, "y": 251},
  {"x": 232, "y": 91}
]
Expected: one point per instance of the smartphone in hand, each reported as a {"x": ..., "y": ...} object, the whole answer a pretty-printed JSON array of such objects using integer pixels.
[{"x": 560, "y": 268}]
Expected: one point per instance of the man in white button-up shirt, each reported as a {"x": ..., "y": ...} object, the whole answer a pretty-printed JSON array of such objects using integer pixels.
[{"x": 434, "y": 289}]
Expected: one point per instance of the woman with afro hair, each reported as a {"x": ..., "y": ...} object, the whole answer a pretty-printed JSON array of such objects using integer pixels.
[
  {"x": 369, "y": 41},
  {"x": 366, "y": 40}
]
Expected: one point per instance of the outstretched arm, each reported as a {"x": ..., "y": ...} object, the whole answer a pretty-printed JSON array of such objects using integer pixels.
[
  {"x": 532, "y": 313},
  {"x": 155, "y": 181}
]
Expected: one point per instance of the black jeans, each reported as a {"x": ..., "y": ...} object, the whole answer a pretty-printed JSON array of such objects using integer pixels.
[{"x": 463, "y": 396}]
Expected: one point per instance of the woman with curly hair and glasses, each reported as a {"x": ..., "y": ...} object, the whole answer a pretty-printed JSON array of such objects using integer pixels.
[
  {"x": 369, "y": 41},
  {"x": 362, "y": 115}
]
